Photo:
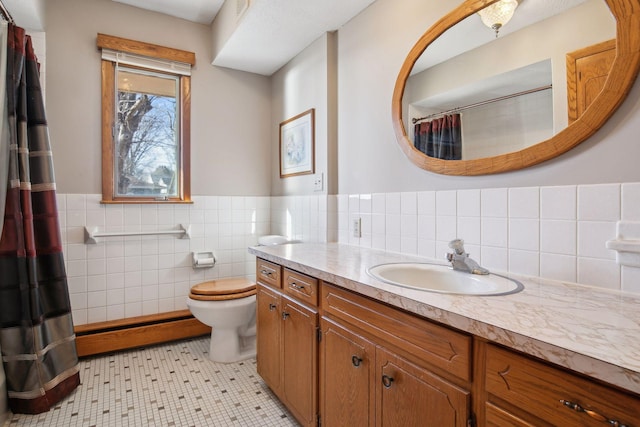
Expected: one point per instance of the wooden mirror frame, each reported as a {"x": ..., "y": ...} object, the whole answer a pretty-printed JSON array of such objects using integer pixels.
[{"x": 621, "y": 78}]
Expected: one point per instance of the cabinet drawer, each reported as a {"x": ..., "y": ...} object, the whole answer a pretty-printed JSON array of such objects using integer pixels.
[
  {"x": 300, "y": 286},
  {"x": 497, "y": 417},
  {"x": 268, "y": 273},
  {"x": 537, "y": 388},
  {"x": 419, "y": 338}
]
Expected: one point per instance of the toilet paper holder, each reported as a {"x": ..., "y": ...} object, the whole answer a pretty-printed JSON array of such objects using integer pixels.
[{"x": 203, "y": 259}]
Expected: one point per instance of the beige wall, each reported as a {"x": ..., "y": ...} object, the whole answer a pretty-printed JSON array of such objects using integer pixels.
[
  {"x": 230, "y": 122},
  {"x": 236, "y": 114},
  {"x": 371, "y": 50},
  {"x": 307, "y": 81}
]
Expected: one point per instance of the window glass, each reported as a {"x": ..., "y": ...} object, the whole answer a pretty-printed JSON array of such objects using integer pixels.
[{"x": 146, "y": 134}]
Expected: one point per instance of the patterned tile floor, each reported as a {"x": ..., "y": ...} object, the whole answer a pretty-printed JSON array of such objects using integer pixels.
[{"x": 168, "y": 385}]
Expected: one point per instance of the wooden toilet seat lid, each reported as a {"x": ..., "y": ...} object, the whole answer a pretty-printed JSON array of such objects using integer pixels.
[{"x": 234, "y": 287}]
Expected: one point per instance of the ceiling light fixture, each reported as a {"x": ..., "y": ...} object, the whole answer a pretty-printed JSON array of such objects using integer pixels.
[{"x": 498, "y": 14}]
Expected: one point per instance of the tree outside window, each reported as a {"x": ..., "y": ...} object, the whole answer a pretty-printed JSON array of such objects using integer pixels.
[{"x": 146, "y": 140}]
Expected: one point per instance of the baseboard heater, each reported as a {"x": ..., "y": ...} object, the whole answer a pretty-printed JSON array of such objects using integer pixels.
[{"x": 105, "y": 337}]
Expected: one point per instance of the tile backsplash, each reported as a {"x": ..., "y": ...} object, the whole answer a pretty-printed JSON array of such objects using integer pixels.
[{"x": 556, "y": 233}]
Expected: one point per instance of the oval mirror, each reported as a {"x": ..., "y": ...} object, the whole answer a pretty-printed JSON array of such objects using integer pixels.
[{"x": 512, "y": 96}]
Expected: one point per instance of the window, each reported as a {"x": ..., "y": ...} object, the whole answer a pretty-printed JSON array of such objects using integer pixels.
[{"x": 146, "y": 106}]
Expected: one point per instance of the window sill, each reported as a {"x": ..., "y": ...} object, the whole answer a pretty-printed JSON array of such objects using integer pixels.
[{"x": 146, "y": 202}]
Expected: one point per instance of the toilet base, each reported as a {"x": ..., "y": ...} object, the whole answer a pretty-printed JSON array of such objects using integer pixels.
[{"x": 228, "y": 346}]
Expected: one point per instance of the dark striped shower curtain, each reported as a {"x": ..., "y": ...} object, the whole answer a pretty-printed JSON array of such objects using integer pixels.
[
  {"x": 36, "y": 328},
  {"x": 440, "y": 138}
]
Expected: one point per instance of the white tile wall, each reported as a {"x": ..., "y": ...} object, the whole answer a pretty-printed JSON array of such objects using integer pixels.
[
  {"x": 305, "y": 218},
  {"x": 631, "y": 202},
  {"x": 132, "y": 276},
  {"x": 558, "y": 233}
]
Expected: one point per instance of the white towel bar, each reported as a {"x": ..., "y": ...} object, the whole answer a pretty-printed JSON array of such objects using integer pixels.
[{"x": 91, "y": 235}]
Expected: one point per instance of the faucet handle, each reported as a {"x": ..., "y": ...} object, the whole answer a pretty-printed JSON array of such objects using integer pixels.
[{"x": 457, "y": 245}]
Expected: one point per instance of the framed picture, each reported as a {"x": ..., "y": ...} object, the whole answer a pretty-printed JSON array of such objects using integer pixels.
[{"x": 297, "y": 145}]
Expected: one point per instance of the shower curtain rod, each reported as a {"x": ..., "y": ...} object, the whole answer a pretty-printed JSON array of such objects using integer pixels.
[
  {"x": 478, "y": 104},
  {"x": 5, "y": 13}
]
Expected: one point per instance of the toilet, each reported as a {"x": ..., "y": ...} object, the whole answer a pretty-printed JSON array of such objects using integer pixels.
[{"x": 229, "y": 306}]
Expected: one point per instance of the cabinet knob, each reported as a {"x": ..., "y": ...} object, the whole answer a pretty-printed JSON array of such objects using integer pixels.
[
  {"x": 386, "y": 381},
  {"x": 593, "y": 414},
  {"x": 285, "y": 315},
  {"x": 356, "y": 361},
  {"x": 266, "y": 273},
  {"x": 272, "y": 307}
]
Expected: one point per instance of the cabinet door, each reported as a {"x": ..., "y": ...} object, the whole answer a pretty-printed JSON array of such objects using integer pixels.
[
  {"x": 347, "y": 377},
  {"x": 300, "y": 360},
  {"x": 268, "y": 340},
  {"x": 410, "y": 395}
]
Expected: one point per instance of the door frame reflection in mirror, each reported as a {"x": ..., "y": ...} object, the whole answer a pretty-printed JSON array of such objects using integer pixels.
[{"x": 621, "y": 78}]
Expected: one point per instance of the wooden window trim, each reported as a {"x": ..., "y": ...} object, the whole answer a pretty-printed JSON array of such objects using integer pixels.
[{"x": 108, "y": 116}]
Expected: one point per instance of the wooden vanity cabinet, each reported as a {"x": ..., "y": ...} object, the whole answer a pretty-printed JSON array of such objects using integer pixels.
[
  {"x": 347, "y": 376},
  {"x": 268, "y": 337},
  {"x": 523, "y": 391},
  {"x": 383, "y": 367},
  {"x": 377, "y": 365},
  {"x": 287, "y": 343},
  {"x": 268, "y": 273},
  {"x": 411, "y": 394},
  {"x": 300, "y": 360},
  {"x": 268, "y": 309}
]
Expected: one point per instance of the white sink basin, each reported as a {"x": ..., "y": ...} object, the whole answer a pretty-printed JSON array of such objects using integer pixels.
[{"x": 443, "y": 279}]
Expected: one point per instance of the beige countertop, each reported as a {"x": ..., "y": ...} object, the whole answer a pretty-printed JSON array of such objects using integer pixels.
[{"x": 589, "y": 330}]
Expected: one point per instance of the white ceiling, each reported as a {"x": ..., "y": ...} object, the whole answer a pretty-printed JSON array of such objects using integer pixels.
[
  {"x": 200, "y": 11},
  {"x": 28, "y": 14},
  {"x": 270, "y": 32}
]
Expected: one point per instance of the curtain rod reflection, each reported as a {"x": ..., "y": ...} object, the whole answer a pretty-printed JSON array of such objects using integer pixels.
[
  {"x": 478, "y": 104},
  {"x": 5, "y": 13}
]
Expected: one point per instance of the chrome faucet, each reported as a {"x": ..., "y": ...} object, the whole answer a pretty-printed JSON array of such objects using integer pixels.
[{"x": 460, "y": 259}]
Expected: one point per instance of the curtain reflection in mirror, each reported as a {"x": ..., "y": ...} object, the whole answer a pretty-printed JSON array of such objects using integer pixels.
[{"x": 440, "y": 138}]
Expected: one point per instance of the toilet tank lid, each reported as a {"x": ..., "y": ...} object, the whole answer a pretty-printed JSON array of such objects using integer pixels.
[{"x": 272, "y": 239}]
